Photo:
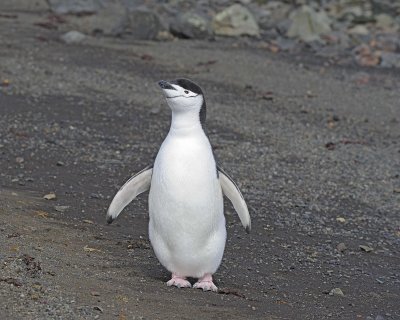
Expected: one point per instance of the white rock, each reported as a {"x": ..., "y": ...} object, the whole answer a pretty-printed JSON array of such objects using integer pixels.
[
  {"x": 235, "y": 21},
  {"x": 308, "y": 25},
  {"x": 72, "y": 37},
  {"x": 359, "y": 29}
]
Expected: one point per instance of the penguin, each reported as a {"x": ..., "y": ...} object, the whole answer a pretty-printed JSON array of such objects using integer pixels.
[{"x": 187, "y": 225}]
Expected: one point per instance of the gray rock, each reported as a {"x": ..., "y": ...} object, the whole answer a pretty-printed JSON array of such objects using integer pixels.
[
  {"x": 390, "y": 60},
  {"x": 359, "y": 30},
  {"x": 110, "y": 20},
  {"x": 308, "y": 25},
  {"x": 385, "y": 21},
  {"x": 72, "y": 37},
  {"x": 272, "y": 14},
  {"x": 76, "y": 6},
  {"x": 144, "y": 24},
  {"x": 341, "y": 247},
  {"x": 235, "y": 21},
  {"x": 336, "y": 292},
  {"x": 191, "y": 25}
]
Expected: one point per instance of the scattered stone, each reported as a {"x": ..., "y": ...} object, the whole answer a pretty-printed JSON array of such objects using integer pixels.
[
  {"x": 359, "y": 30},
  {"x": 341, "y": 247},
  {"x": 384, "y": 21},
  {"x": 336, "y": 292},
  {"x": 98, "y": 308},
  {"x": 235, "y": 21},
  {"x": 88, "y": 249},
  {"x": 365, "y": 56},
  {"x": 61, "y": 208},
  {"x": 340, "y": 219},
  {"x": 144, "y": 24},
  {"x": 75, "y": 6},
  {"x": 366, "y": 248},
  {"x": 390, "y": 60},
  {"x": 50, "y": 196},
  {"x": 308, "y": 25},
  {"x": 72, "y": 37},
  {"x": 191, "y": 25}
]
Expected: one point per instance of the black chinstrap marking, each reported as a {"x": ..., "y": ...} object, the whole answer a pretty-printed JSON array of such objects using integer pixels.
[{"x": 182, "y": 96}]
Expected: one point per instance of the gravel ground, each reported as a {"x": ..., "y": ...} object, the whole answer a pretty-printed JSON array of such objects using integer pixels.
[{"x": 314, "y": 148}]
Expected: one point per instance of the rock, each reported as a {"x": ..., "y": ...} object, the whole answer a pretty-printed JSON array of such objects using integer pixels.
[
  {"x": 61, "y": 208},
  {"x": 110, "y": 20},
  {"x": 365, "y": 56},
  {"x": 336, "y": 292},
  {"x": 359, "y": 30},
  {"x": 144, "y": 24},
  {"x": 390, "y": 60},
  {"x": 272, "y": 14},
  {"x": 235, "y": 21},
  {"x": 76, "y": 6},
  {"x": 308, "y": 25},
  {"x": 384, "y": 21},
  {"x": 72, "y": 37},
  {"x": 191, "y": 25},
  {"x": 341, "y": 219},
  {"x": 366, "y": 248},
  {"x": 50, "y": 196},
  {"x": 341, "y": 247}
]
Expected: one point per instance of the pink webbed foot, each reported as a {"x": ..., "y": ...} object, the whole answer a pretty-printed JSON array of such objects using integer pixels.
[
  {"x": 206, "y": 283},
  {"x": 179, "y": 282}
]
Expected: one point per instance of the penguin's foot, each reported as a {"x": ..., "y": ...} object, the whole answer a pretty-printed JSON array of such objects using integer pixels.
[
  {"x": 206, "y": 283},
  {"x": 179, "y": 282}
]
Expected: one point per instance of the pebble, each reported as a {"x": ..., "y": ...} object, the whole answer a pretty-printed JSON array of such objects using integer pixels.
[
  {"x": 61, "y": 208},
  {"x": 366, "y": 248},
  {"x": 72, "y": 37},
  {"x": 50, "y": 196},
  {"x": 336, "y": 292},
  {"x": 341, "y": 247}
]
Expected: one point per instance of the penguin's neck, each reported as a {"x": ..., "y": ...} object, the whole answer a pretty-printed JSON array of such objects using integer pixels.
[{"x": 185, "y": 121}]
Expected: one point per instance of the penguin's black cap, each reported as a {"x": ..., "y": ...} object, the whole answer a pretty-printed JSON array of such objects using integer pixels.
[{"x": 188, "y": 84}]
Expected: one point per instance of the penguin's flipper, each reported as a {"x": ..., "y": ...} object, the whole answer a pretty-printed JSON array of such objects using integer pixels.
[
  {"x": 136, "y": 185},
  {"x": 231, "y": 190}
]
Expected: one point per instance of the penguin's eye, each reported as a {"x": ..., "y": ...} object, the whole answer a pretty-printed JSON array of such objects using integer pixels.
[{"x": 187, "y": 92}]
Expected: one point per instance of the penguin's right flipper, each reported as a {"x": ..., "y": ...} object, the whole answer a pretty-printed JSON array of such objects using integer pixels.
[
  {"x": 231, "y": 190},
  {"x": 136, "y": 185}
]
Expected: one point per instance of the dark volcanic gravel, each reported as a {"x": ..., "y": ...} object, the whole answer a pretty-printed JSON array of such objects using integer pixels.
[{"x": 314, "y": 148}]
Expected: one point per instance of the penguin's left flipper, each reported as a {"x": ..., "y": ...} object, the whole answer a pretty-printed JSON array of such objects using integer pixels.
[
  {"x": 231, "y": 190},
  {"x": 136, "y": 185}
]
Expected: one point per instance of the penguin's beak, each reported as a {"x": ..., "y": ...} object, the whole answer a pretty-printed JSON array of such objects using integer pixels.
[{"x": 165, "y": 85}]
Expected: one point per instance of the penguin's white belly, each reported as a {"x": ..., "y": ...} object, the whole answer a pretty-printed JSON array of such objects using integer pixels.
[{"x": 187, "y": 225}]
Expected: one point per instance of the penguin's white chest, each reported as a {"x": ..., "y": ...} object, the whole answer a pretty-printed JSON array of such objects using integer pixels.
[{"x": 187, "y": 225}]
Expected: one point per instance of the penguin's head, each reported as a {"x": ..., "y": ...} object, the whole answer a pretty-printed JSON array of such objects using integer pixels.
[{"x": 184, "y": 95}]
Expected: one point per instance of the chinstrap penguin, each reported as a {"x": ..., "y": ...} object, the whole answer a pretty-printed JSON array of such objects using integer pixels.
[{"x": 187, "y": 224}]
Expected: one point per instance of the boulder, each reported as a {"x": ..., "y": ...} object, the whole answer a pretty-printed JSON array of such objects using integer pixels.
[
  {"x": 144, "y": 24},
  {"x": 191, "y": 25},
  {"x": 235, "y": 21},
  {"x": 307, "y": 24}
]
